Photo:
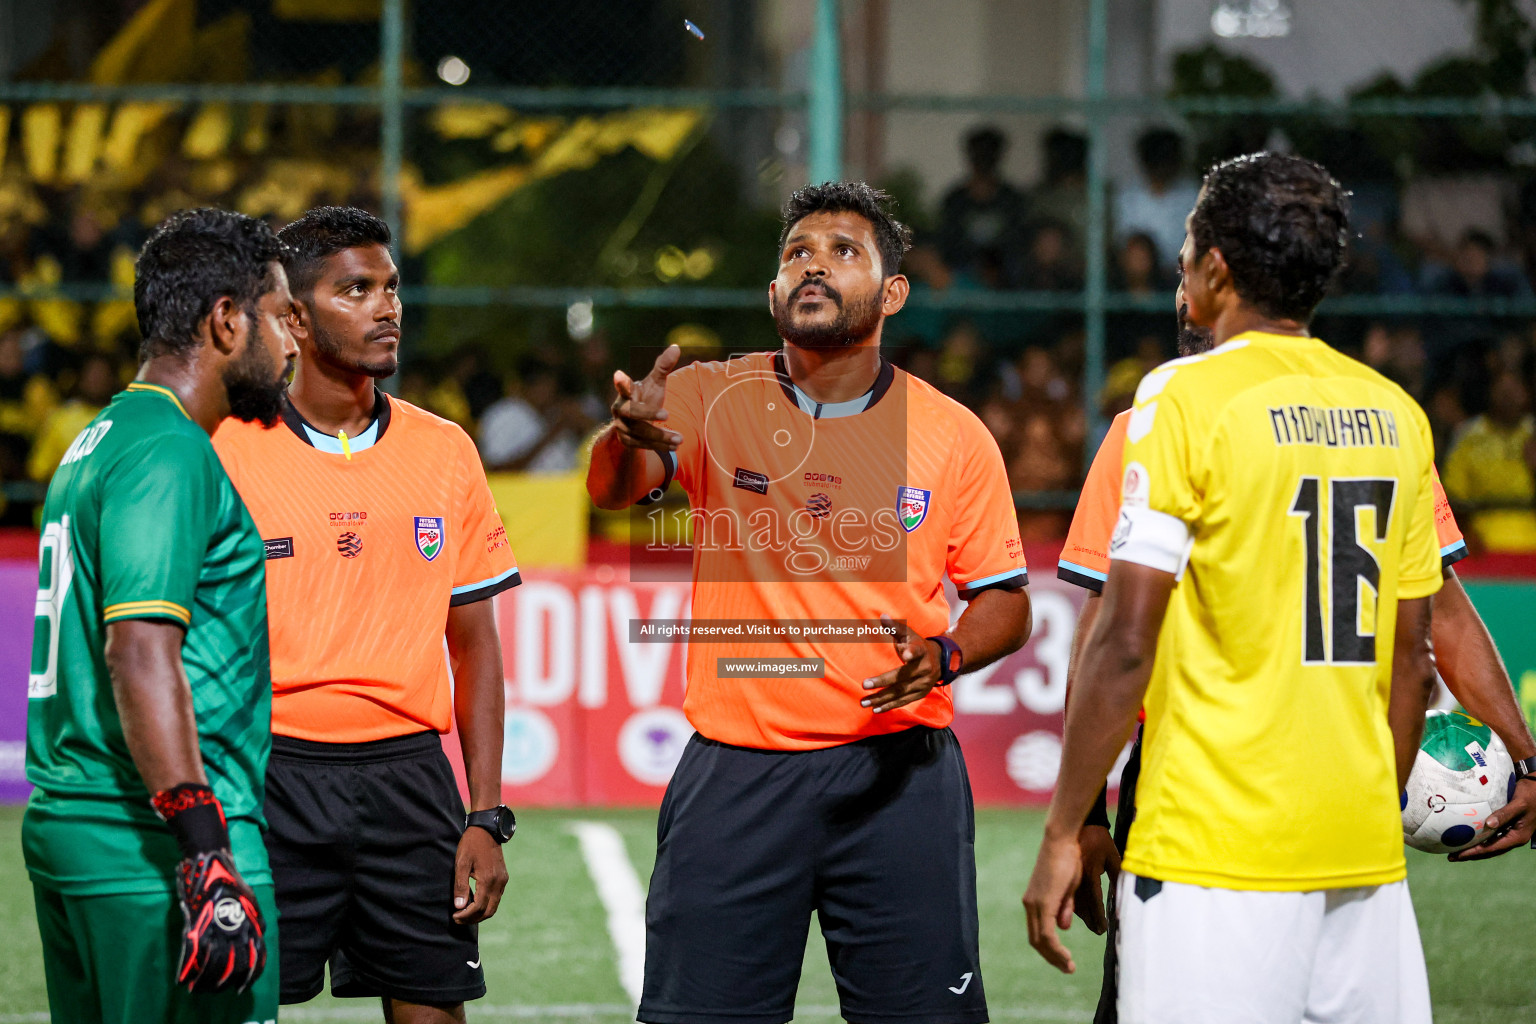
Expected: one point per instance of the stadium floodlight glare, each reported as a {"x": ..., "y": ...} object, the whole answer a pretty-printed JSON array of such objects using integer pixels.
[
  {"x": 579, "y": 320},
  {"x": 1260, "y": 19},
  {"x": 787, "y": 140},
  {"x": 453, "y": 70}
]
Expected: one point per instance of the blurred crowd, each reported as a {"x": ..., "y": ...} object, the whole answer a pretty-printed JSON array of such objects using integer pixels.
[
  {"x": 62, "y": 358},
  {"x": 1022, "y": 371}
]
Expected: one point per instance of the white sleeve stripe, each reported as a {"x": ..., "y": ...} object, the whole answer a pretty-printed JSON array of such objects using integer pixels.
[{"x": 1151, "y": 538}]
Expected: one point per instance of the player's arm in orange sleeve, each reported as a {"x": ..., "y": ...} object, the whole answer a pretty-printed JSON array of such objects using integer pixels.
[
  {"x": 479, "y": 709},
  {"x": 634, "y": 458},
  {"x": 483, "y": 566},
  {"x": 1470, "y": 664},
  {"x": 985, "y": 560},
  {"x": 1413, "y": 682}
]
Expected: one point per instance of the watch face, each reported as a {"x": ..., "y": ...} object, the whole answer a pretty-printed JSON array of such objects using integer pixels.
[{"x": 506, "y": 822}]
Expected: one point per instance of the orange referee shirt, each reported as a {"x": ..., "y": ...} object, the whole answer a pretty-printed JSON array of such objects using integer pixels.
[
  {"x": 368, "y": 544},
  {"x": 1085, "y": 556},
  {"x": 808, "y": 512}
]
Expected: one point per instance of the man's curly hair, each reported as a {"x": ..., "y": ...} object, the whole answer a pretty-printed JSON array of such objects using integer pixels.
[
  {"x": 892, "y": 237},
  {"x": 192, "y": 259},
  {"x": 1282, "y": 222}
]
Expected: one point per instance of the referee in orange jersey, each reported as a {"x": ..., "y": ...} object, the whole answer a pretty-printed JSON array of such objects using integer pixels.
[
  {"x": 831, "y": 490},
  {"x": 381, "y": 541}
]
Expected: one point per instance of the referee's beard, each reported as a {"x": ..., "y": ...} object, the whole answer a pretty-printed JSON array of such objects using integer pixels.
[
  {"x": 855, "y": 320},
  {"x": 254, "y": 384}
]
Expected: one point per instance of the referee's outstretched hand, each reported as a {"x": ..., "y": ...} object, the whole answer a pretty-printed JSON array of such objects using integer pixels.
[
  {"x": 640, "y": 403},
  {"x": 480, "y": 858},
  {"x": 919, "y": 672}
]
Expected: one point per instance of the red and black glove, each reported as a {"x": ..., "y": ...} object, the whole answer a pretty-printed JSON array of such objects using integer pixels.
[{"x": 222, "y": 943}]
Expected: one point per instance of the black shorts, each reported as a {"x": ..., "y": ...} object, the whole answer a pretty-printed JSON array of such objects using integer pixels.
[
  {"x": 1125, "y": 815},
  {"x": 877, "y": 837},
  {"x": 362, "y": 840}
]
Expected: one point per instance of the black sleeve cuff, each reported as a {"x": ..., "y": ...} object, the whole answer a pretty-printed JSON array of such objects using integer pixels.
[
  {"x": 1098, "y": 814},
  {"x": 669, "y": 460},
  {"x": 1016, "y": 582},
  {"x": 1086, "y": 582},
  {"x": 1453, "y": 556},
  {"x": 489, "y": 590}
]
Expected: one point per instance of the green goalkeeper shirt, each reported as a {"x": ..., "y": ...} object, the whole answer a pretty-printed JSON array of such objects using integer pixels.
[{"x": 141, "y": 522}]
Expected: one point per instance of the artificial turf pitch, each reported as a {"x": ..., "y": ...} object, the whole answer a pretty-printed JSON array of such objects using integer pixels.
[{"x": 548, "y": 954}]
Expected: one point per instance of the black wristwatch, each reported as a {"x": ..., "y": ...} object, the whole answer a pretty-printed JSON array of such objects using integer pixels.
[
  {"x": 952, "y": 659},
  {"x": 1525, "y": 767},
  {"x": 498, "y": 821}
]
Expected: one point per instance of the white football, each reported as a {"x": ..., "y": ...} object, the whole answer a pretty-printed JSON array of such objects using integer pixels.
[{"x": 1461, "y": 775}]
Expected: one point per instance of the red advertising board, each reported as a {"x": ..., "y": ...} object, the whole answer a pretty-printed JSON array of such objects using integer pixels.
[{"x": 594, "y": 719}]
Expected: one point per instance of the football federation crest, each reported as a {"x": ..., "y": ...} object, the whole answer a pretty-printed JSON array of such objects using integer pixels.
[
  {"x": 429, "y": 536},
  {"x": 912, "y": 506}
]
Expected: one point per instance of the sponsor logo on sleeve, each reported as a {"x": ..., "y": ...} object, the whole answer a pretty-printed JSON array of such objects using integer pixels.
[
  {"x": 1136, "y": 487},
  {"x": 750, "y": 481},
  {"x": 278, "y": 547},
  {"x": 429, "y": 536}
]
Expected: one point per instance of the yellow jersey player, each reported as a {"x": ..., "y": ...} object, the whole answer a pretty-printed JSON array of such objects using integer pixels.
[{"x": 1268, "y": 600}]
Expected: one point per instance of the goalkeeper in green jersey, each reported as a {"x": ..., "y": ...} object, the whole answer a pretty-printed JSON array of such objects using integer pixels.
[{"x": 149, "y": 699}]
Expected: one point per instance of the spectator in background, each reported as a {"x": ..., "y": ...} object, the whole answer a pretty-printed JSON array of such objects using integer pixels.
[
  {"x": 1157, "y": 204},
  {"x": 1052, "y": 264},
  {"x": 982, "y": 219},
  {"x": 471, "y": 386},
  {"x": 1138, "y": 271},
  {"x": 1474, "y": 273},
  {"x": 97, "y": 383},
  {"x": 1041, "y": 461},
  {"x": 1396, "y": 351},
  {"x": 535, "y": 429},
  {"x": 26, "y": 398},
  {"x": 25, "y": 401},
  {"x": 1124, "y": 376},
  {"x": 1488, "y": 475},
  {"x": 1062, "y": 195},
  {"x": 959, "y": 371}
]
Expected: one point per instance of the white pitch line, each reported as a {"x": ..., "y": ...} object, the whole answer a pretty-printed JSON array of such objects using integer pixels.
[
  {"x": 476, "y": 1011},
  {"x": 619, "y": 889},
  {"x": 1041, "y": 1014}
]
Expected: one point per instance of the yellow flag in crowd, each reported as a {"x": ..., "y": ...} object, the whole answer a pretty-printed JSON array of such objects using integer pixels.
[{"x": 432, "y": 212}]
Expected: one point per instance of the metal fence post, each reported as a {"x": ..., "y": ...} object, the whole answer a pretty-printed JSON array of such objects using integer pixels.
[
  {"x": 391, "y": 132},
  {"x": 1096, "y": 242},
  {"x": 824, "y": 114},
  {"x": 391, "y": 113}
]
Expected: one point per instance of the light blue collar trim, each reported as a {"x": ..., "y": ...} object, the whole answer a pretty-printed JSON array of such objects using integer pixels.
[
  {"x": 326, "y": 443},
  {"x": 831, "y": 410}
]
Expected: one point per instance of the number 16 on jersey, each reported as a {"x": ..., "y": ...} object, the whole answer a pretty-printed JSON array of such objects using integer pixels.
[{"x": 1343, "y": 578}]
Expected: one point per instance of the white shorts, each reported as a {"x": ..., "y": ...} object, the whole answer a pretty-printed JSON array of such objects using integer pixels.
[{"x": 1191, "y": 955}]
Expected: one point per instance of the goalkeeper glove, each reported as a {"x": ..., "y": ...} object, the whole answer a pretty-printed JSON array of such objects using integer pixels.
[{"x": 222, "y": 943}]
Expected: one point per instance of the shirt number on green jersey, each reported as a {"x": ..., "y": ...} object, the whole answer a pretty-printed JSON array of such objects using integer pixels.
[
  {"x": 56, "y": 570},
  {"x": 1348, "y": 564}
]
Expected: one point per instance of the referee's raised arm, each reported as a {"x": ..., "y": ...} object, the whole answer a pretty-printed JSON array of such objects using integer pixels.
[{"x": 627, "y": 457}]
